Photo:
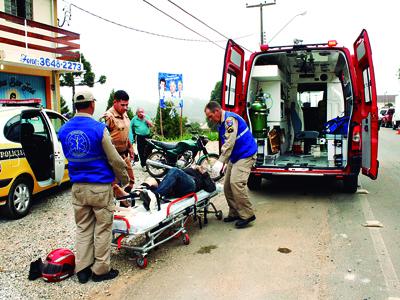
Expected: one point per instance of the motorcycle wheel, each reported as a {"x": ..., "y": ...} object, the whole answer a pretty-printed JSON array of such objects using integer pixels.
[
  {"x": 155, "y": 171},
  {"x": 207, "y": 161}
]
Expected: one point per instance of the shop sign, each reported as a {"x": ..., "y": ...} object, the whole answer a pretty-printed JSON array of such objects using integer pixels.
[
  {"x": 51, "y": 63},
  {"x": 20, "y": 87}
]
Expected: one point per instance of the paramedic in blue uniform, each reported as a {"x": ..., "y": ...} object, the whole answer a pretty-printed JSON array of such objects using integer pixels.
[
  {"x": 238, "y": 151},
  {"x": 93, "y": 164}
]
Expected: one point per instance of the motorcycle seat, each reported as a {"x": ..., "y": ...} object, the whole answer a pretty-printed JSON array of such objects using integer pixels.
[{"x": 168, "y": 146}]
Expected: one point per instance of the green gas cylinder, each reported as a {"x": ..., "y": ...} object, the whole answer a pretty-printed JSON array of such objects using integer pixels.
[{"x": 258, "y": 117}]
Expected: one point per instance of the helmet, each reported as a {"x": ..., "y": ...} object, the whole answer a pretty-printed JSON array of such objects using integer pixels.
[{"x": 59, "y": 264}]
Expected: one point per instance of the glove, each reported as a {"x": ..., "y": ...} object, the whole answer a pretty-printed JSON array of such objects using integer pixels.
[{"x": 217, "y": 168}]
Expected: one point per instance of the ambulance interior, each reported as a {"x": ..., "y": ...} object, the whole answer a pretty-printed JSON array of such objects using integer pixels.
[{"x": 291, "y": 97}]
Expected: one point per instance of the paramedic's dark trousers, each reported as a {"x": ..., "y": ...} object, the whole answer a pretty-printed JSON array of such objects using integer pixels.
[
  {"x": 235, "y": 188},
  {"x": 93, "y": 208},
  {"x": 141, "y": 144}
]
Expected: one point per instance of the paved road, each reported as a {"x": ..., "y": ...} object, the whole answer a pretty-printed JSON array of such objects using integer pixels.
[{"x": 332, "y": 256}]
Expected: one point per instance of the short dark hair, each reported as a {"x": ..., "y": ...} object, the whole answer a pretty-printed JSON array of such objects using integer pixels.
[
  {"x": 121, "y": 95},
  {"x": 82, "y": 105},
  {"x": 213, "y": 106}
]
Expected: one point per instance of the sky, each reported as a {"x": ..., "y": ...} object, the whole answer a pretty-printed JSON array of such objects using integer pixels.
[{"x": 131, "y": 60}]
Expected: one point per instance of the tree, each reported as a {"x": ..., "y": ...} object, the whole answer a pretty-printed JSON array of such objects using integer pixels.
[
  {"x": 69, "y": 79},
  {"x": 216, "y": 95},
  {"x": 64, "y": 107},
  {"x": 171, "y": 124}
]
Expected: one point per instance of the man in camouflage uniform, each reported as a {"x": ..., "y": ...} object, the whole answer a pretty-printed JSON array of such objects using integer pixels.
[{"x": 118, "y": 124}]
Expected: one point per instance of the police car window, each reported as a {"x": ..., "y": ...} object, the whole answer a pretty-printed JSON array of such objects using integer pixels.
[
  {"x": 56, "y": 120},
  {"x": 36, "y": 120},
  {"x": 12, "y": 129}
]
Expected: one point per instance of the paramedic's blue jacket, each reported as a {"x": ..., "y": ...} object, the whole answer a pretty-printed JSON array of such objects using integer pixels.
[
  {"x": 244, "y": 144},
  {"x": 91, "y": 156}
]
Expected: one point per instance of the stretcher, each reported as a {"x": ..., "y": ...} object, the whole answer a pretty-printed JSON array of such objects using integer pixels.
[{"x": 160, "y": 224}]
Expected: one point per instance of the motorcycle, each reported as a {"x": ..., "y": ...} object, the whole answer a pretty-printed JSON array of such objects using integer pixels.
[{"x": 166, "y": 155}]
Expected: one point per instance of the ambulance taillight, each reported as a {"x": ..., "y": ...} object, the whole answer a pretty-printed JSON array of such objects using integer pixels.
[{"x": 356, "y": 138}]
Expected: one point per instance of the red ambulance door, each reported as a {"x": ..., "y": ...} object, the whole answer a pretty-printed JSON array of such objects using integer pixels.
[
  {"x": 369, "y": 111},
  {"x": 232, "y": 77}
]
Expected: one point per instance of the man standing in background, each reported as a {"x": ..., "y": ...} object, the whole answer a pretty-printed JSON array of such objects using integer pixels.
[
  {"x": 118, "y": 124},
  {"x": 140, "y": 126}
]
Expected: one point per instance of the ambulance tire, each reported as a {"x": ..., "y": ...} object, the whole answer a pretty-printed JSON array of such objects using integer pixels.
[
  {"x": 19, "y": 199},
  {"x": 350, "y": 184},
  {"x": 254, "y": 182}
]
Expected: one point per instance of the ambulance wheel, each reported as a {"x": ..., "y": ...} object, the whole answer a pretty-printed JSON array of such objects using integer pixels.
[
  {"x": 141, "y": 262},
  {"x": 219, "y": 215},
  {"x": 19, "y": 199},
  {"x": 254, "y": 182},
  {"x": 350, "y": 184},
  {"x": 186, "y": 239}
]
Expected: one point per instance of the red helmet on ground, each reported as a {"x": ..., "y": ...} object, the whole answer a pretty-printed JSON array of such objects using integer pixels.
[{"x": 59, "y": 264}]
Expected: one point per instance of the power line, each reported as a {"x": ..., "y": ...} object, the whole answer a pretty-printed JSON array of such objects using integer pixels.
[
  {"x": 144, "y": 31},
  {"x": 135, "y": 29},
  {"x": 202, "y": 22},
  {"x": 183, "y": 24}
]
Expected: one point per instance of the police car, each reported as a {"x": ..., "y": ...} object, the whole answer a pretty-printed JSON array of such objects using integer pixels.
[{"x": 31, "y": 156}]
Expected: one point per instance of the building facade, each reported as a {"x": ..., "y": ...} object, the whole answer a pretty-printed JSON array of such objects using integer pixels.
[{"x": 33, "y": 52}]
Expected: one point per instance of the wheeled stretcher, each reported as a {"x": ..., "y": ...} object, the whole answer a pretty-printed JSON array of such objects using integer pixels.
[{"x": 157, "y": 226}]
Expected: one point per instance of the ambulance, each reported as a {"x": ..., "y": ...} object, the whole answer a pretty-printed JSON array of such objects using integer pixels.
[
  {"x": 31, "y": 156},
  {"x": 312, "y": 109}
]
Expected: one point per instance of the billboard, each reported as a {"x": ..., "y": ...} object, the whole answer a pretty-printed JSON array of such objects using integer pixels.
[{"x": 170, "y": 89}]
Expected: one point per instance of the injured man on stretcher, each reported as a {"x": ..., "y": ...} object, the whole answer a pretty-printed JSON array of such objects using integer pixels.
[{"x": 176, "y": 183}]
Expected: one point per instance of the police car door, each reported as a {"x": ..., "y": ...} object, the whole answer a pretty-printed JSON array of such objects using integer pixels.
[
  {"x": 232, "y": 77},
  {"x": 369, "y": 110},
  {"x": 55, "y": 121}
]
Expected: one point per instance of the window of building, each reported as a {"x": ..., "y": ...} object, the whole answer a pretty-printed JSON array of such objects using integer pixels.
[{"x": 20, "y": 8}]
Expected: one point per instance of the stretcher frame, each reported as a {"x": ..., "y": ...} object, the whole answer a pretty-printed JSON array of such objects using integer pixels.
[{"x": 175, "y": 223}]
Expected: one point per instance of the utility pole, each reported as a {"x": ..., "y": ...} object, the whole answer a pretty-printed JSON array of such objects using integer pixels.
[{"x": 261, "y": 5}]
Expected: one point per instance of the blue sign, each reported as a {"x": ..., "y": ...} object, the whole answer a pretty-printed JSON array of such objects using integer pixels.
[
  {"x": 20, "y": 87},
  {"x": 170, "y": 89}
]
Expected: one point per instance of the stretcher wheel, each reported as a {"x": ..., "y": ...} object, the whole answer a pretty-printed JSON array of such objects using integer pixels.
[
  {"x": 186, "y": 239},
  {"x": 141, "y": 262},
  {"x": 219, "y": 215}
]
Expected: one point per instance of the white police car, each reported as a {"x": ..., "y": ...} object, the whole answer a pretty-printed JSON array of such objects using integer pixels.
[{"x": 31, "y": 156}]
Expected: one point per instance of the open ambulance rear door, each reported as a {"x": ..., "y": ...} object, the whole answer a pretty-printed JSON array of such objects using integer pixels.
[
  {"x": 369, "y": 110},
  {"x": 232, "y": 78}
]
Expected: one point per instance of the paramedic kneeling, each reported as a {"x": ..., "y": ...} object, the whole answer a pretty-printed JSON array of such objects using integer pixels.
[
  {"x": 239, "y": 152},
  {"x": 93, "y": 163}
]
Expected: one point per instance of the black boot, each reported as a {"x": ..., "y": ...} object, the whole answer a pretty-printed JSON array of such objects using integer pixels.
[{"x": 242, "y": 223}]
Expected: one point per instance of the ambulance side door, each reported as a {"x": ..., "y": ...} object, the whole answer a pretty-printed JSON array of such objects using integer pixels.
[
  {"x": 369, "y": 110},
  {"x": 232, "y": 77}
]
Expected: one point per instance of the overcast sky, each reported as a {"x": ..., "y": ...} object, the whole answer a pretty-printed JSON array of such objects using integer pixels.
[{"x": 131, "y": 60}]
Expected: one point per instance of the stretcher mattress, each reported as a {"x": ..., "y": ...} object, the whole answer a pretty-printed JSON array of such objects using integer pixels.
[{"x": 141, "y": 221}]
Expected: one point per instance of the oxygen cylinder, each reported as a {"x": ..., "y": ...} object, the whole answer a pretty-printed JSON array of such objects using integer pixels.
[{"x": 258, "y": 117}]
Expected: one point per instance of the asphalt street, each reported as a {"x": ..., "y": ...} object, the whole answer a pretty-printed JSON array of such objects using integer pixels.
[{"x": 308, "y": 242}]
